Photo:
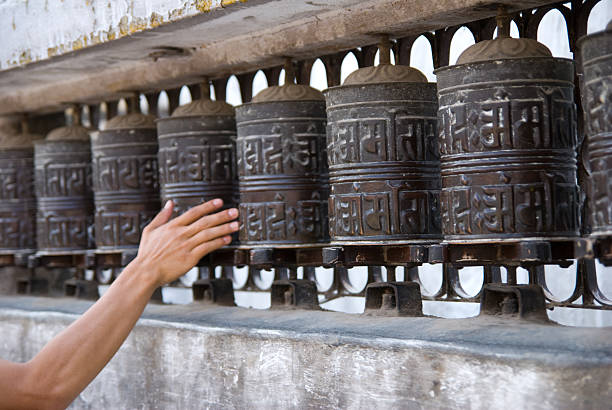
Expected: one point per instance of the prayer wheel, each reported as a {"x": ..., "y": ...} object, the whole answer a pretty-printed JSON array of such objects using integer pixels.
[
  {"x": 17, "y": 199},
  {"x": 126, "y": 192},
  {"x": 197, "y": 153},
  {"x": 383, "y": 156},
  {"x": 282, "y": 168},
  {"x": 62, "y": 163},
  {"x": 595, "y": 58},
  {"x": 507, "y": 122}
]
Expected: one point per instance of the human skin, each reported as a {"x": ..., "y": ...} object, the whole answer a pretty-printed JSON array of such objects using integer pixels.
[{"x": 71, "y": 360}]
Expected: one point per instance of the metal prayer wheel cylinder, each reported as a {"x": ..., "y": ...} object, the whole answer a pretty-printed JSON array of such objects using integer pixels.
[
  {"x": 62, "y": 163},
  {"x": 282, "y": 167},
  {"x": 383, "y": 157},
  {"x": 197, "y": 154},
  {"x": 507, "y": 134},
  {"x": 126, "y": 191},
  {"x": 595, "y": 53},
  {"x": 17, "y": 199}
]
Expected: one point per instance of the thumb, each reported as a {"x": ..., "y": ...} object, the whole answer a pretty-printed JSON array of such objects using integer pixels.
[{"x": 163, "y": 216}]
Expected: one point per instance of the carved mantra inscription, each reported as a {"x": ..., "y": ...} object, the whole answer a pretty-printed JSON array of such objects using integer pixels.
[
  {"x": 17, "y": 230},
  {"x": 384, "y": 171},
  {"x": 397, "y": 212},
  {"x": 283, "y": 181},
  {"x": 63, "y": 187},
  {"x": 126, "y": 198},
  {"x": 56, "y": 230},
  {"x": 508, "y": 161},
  {"x": 133, "y": 173},
  {"x": 283, "y": 152},
  {"x": 197, "y": 164},
  {"x": 535, "y": 208},
  {"x": 17, "y": 200},
  {"x": 120, "y": 228},
  {"x": 544, "y": 118},
  {"x": 279, "y": 221},
  {"x": 63, "y": 180},
  {"x": 399, "y": 137},
  {"x": 125, "y": 186},
  {"x": 197, "y": 168},
  {"x": 597, "y": 103}
]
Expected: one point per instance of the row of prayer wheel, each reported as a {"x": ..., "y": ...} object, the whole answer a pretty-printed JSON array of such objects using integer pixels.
[{"x": 488, "y": 154}]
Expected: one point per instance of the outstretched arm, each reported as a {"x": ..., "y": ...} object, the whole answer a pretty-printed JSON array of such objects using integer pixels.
[{"x": 70, "y": 361}]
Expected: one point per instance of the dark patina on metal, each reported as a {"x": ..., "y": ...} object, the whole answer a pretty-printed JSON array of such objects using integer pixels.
[
  {"x": 17, "y": 199},
  {"x": 383, "y": 157},
  {"x": 124, "y": 160},
  {"x": 507, "y": 134},
  {"x": 282, "y": 167},
  {"x": 595, "y": 64},
  {"x": 62, "y": 164},
  {"x": 197, "y": 153}
]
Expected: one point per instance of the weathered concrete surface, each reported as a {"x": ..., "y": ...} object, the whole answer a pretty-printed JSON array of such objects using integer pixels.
[
  {"x": 182, "y": 357},
  {"x": 35, "y": 30},
  {"x": 86, "y": 61}
]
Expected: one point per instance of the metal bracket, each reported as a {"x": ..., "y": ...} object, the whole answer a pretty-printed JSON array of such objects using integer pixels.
[
  {"x": 32, "y": 286},
  {"x": 262, "y": 258},
  {"x": 81, "y": 289},
  {"x": 214, "y": 291},
  {"x": 294, "y": 294},
  {"x": 393, "y": 299},
  {"x": 157, "y": 297},
  {"x": 603, "y": 250},
  {"x": 379, "y": 255},
  {"x": 525, "y": 302}
]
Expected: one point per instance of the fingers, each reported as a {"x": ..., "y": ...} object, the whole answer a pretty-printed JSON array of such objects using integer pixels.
[
  {"x": 212, "y": 233},
  {"x": 207, "y": 247},
  {"x": 162, "y": 217},
  {"x": 199, "y": 211},
  {"x": 212, "y": 220}
]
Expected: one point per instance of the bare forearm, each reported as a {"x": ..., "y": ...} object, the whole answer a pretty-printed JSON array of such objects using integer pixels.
[{"x": 68, "y": 363}]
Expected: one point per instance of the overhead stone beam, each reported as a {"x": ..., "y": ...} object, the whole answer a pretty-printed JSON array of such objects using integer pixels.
[{"x": 161, "y": 44}]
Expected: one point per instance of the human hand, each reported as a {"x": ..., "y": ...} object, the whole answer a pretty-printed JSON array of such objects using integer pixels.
[{"x": 168, "y": 250}]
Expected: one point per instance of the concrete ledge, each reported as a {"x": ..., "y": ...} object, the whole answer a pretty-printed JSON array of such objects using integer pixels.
[{"x": 198, "y": 357}]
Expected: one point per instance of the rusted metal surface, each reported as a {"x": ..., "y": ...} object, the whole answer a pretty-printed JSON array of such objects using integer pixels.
[
  {"x": 31, "y": 285},
  {"x": 512, "y": 255},
  {"x": 294, "y": 294},
  {"x": 197, "y": 155},
  {"x": 17, "y": 200},
  {"x": 525, "y": 302},
  {"x": 81, "y": 289},
  {"x": 282, "y": 170},
  {"x": 63, "y": 187},
  {"x": 383, "y": 158},
  {"x": 382, "y": 255},
  {"x": 125, "y": 180},
  {"x": 393, "y": 299},
  {"x": 507, "y": 143},
  {"x": 595, "y": 53},
  {"x": 214, "y": 291}
]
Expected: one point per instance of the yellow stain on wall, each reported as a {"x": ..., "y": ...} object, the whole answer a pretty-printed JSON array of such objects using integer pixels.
[
  {"x": 203, "y": 6},
  {"x": 125, "y": 27},
  {"x": 228, "y": 2},
  {"x": 156, "y": 20}
]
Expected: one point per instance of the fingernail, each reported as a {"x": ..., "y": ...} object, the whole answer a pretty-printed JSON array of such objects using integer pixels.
[
  {"x": 217, "y": 202},
  {"x": 227, "y": 239},
  {"x": 168, "y": 203},
  {"x": 234, "y": 225},
  {"x": 232, "y": 212}
]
